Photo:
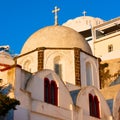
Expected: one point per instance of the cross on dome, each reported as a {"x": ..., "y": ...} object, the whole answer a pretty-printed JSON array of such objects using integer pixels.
[
  {"x": 84, "y": 13},
  {"x": 55, "y": 11}
]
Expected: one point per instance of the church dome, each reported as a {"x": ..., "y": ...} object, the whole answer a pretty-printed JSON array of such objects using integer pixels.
[
  {"x": 56, "y": 37},
  {"x": 83, "y": 23},
  {"x": 5, "y": 58}
]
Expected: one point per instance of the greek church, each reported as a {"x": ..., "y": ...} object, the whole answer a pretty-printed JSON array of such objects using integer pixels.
[{"x": 55, "y": 77}]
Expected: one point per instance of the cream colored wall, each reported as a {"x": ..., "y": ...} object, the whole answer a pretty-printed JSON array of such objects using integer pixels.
[
  {"x": 113, "y": 65},
  {"x": 114, "y": 70},
  {"x": 113, "y": 92},
  {"x": 4, "y": 77},
  {"x": 67, "y": 60},
  {"x": 84, "y": 58},
  {"x": 101, "y": 44},
  {"x": 32, "y": 57},
  {"x": 91, "y": 46},
  {"x": 5, "y": 59},
  {"x": 110, "y": 92}
]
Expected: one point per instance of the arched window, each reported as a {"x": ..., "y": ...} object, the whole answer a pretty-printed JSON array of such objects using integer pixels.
[
  {"x": 94, "y": 106},
  {"x": 27, "y": 66},
  {"x": 53, "y": 93},
  {"x": 58, "y": 66},
  {"x": 46, "y": 90},
  {"x": 88, "y": 74},
  {"x": 50, "y": 92},
  {"x": 91, "y": 105},
  {"x": 110, "y": 48}
]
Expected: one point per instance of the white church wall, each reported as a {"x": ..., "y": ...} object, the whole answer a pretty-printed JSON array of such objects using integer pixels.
[
  {"x": 94, "y": 72},
  {"x": 54, "y": 112},
  {"x": 36, "y": 85},
  {"x": 21, "y": 114},
  {"x": 21, "y": 95},
  {"x": 83, "y": 103},
  {"x": 67, "y": 61},
  {"x": 77, "y": 112},
  {"x": 29, "y": 61},
  {"x": 36, "y": 116}
]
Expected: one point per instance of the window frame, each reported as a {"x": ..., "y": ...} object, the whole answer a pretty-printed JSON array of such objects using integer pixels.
[
  {"x": 94, "y": 107},
  {"x": 50, "y": 96}
]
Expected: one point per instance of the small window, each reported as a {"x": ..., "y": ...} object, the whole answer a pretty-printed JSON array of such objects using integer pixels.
[
  {"x": 53, "y": 93},
  {"x": 46, "y": 90},
  {"x": 50, "y": 92},
  {"x": 94, "y": 106},
  {"x": 57, "y": 68},
  {"x": 110, "y": 48},
  {"x": 91, "y": 105},
  {"x": 88, "y": 74}
]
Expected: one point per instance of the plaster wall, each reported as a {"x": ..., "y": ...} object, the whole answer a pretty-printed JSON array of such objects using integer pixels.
[
  {"x": 84, "y": 58},
  {"x": 110, "y": 92},
  {"x": 21, "y": 114},
  {"x": 36, "y": 116},
  {"x": 4, "y": 77},
  {"x": 6, "y": 59},
  {"x": 36, "y": 87},
  {"x": 83, "y": 102},
  {"x": 54, "y": 112},
  {"x": 32, "y": 59},
  {"x": 21, "y": 95},
  {"x": 67, "y": 61},
  {"x": 101, "y": 44},
  {"x": 113, "y": 65}
]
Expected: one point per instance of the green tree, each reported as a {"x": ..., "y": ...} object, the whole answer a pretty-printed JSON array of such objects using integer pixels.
[
  {"x": 6, "y": 103},
  {"x": 104, "y": 74},
  {"x": 105, "y": 77}
]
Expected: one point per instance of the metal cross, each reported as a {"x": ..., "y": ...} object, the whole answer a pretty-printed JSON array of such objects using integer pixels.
[
  {"x": 84, "y": 13},
  {"x": 55, "y": 11}
]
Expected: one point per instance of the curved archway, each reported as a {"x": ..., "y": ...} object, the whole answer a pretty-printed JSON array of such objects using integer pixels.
[{"x": 27, "y": 66}]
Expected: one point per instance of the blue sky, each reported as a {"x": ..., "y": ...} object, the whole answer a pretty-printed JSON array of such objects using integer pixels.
[{"x": 21, "y": 18}]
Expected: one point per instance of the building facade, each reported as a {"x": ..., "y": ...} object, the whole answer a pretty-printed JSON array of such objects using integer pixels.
[{"x": 56, "y": 77}]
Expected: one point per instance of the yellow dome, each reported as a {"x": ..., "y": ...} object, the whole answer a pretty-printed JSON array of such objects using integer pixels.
[{"x": 56, "y": 37}]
